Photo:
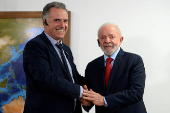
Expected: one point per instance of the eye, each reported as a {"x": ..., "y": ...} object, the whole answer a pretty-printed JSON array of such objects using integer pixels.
[
  {"x": 65, "y": 21},
  {"x": 57, "y": 20},
  {"x": 102, "y": 37},
  {"x": 111, "y": 37}
]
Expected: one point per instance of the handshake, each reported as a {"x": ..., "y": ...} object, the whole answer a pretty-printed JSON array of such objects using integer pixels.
[{"x": 89, "y": 97}]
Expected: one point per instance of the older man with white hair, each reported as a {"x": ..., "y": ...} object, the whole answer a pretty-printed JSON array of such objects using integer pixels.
[{"x": 117, "y": 78}]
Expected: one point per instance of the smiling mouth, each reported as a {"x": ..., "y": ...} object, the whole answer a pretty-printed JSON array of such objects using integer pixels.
[{"x": 61, "y": 31}]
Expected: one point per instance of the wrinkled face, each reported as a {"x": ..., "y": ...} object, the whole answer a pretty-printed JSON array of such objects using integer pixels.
[
  {"x": 110, "y": 39},
  {"x": 57, "y": 21}
]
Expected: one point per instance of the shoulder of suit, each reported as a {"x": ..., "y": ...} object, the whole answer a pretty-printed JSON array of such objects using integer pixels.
[
  {"x": 36, "y": 37},
  {"x": 131, "y": 55},
  {"x": 37, "y": 40},
  {"x": 96, "y": 60}
]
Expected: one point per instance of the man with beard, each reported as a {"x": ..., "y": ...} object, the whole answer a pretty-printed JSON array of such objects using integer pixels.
[{"x": 117, "y": 78}]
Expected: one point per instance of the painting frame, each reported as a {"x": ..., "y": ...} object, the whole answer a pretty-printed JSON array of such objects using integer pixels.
[{"x": 34, "y": 14}]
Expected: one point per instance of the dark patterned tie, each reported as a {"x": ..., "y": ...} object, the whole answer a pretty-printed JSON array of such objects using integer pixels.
[
  {"x": 60, "y": 46},
  {"x": 108, "y": 70}
]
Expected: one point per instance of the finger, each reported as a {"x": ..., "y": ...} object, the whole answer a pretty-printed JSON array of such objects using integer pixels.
[
  {"x": 86, "y": 91},
  {"x": 91, "y": 90},
  {"x": 87, "y": 95},
  {"x": 85, "y": 87},
  {"x": 88, "y": 98}
]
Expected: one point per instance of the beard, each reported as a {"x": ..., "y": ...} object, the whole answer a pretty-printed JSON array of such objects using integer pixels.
[{"x": 109, "y": 51}]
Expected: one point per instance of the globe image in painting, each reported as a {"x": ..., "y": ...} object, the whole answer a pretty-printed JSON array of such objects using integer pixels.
[{"x": 14, "y": 34}]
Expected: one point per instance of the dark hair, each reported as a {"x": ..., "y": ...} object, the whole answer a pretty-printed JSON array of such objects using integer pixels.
[{"x": 48, "y": 6}]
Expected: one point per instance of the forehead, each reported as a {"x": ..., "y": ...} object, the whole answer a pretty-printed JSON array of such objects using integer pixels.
[
  {"x": 58, "y": 13},
  {"x": 108, "y": 29}
]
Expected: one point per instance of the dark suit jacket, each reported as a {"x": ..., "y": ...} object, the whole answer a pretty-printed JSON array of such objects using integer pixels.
[
  {"x": 125, "y": 88},
  {"x": 49, "y": 89}
]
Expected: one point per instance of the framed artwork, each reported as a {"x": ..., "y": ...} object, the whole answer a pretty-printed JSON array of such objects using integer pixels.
[{"x": 16, "y": 29}]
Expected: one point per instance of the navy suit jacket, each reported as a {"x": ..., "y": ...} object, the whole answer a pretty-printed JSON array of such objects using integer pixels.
[
  {"x": 49, "y": 89},
  {"x": 125, "y": 88}
]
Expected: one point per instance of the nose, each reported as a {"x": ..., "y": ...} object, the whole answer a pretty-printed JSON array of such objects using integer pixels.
[
  {"x": 62, "y": 24},
  {"x": 107, "y": 40}
]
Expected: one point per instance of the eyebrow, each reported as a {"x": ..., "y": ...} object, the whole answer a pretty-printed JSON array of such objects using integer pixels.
[
  {"x": 111, "y": 34},
  {"x": 60, "y": 19}
]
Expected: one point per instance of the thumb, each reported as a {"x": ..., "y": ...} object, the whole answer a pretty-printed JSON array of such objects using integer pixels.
[
  {"x": 85, "y": 87},
  {"x": 91, "y": 90}
]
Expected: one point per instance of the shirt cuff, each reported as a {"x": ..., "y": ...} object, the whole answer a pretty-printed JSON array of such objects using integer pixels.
[
  {"x": 81, "y": 91},
  {"x": 105, "y": 102}
]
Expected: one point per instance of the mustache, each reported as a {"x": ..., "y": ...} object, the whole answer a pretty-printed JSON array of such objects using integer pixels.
[{"x": 108, "y": 45}]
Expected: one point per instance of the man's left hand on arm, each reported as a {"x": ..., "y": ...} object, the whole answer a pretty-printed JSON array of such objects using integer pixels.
[{"x": 96, "y": 98}]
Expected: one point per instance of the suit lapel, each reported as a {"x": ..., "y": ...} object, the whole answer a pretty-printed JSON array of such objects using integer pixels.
[
  {"x": 71, "y": 64},
  {"x": 99, "y": 75},
  {"x": 115, "y": 68},
  {"x": 50, "y": 46}
]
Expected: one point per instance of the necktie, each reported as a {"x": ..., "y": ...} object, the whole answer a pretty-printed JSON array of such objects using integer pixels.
[
  {"x": 108, "y": 70},
  {"x": 60, "y": 46},
  {"x": 64, "y": 59}
]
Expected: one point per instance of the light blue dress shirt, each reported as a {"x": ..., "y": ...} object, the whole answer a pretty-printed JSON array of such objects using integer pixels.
[{"x": 53, "y": 42}]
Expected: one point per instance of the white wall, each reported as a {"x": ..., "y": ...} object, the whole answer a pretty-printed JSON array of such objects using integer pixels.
[{"x": 145, "y": 27}]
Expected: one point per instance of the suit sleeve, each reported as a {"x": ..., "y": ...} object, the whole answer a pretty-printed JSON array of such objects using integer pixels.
[
  {"x": 135, "y": 90},
  {"x": 37, "y": 67}
]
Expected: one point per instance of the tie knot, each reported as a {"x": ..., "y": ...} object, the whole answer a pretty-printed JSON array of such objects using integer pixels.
[
  {"x": 60, "y": 46},
  {"x": 109, "y": 60}
]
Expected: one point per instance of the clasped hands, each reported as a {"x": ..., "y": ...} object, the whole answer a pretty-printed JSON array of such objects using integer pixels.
[{"x": 89, "y": 97}]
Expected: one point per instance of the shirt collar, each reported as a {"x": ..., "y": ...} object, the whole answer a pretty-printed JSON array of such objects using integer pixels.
[
  {"x": 113, "y": 56},
  {"x": 52, "y": 40}
]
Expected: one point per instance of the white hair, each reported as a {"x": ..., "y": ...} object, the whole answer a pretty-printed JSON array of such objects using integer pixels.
[{"x": 110, "y": 23}]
